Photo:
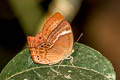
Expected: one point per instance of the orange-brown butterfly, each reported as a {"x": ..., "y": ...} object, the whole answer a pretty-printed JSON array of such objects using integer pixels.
[{"x": 54, "y": 43}]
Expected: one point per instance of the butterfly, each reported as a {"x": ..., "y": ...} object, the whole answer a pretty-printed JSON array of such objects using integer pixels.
[{"x": 54, "y": 43}]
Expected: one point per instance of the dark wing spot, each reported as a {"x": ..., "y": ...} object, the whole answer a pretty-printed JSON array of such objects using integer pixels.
[
  {"x": 39, "y": 37},
  {"x": 44, "y": 44},
  {"x": 38, "y": 59},
  {"x": 37, "y": 56}
]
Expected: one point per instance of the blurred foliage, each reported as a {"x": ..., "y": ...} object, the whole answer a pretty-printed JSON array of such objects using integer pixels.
[
  {"x": 69, "y": 8},
  {"x": 29, "y": 14}
]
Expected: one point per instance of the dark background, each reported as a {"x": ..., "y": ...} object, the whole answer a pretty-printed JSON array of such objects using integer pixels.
[{"x": 99, "y": 20}]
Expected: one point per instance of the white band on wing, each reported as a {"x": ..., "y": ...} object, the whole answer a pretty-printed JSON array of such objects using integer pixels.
[{"x": 62, "y": 33}]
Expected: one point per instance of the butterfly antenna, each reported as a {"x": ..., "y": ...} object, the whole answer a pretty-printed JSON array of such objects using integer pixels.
[{"x": 79, "y": 37}]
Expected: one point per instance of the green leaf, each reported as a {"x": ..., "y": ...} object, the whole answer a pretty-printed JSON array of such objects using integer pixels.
[{"x": 89, "y": 64}]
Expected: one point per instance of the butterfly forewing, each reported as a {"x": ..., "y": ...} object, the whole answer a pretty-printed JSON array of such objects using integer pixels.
[{"x": 51, "y": 24}]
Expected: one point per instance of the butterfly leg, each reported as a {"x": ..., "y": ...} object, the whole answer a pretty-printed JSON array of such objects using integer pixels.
[
  {"x": 59, "y": 64},
  {"x": 71, "y": 60}
]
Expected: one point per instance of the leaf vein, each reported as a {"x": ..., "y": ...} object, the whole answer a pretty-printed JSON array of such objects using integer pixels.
[{"x": 57, "y": 65}]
